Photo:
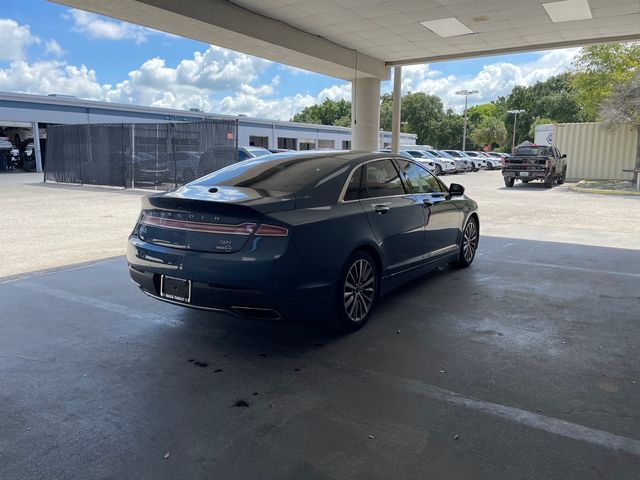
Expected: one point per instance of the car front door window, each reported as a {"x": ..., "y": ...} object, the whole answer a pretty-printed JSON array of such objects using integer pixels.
[
  {"x": 381, "y": 180},
  {"x": 419, "y": 179}
]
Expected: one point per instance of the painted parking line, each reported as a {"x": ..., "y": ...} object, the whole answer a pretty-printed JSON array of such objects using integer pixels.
[
  {"x": 565, "y": 267},
  {"x": 552, "y": 425},
  {"x": 533, "y": 420},
  {"x": 105, "y": 305}
]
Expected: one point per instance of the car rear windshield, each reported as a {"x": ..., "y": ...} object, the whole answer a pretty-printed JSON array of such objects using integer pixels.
[
  {"x": 258, "y": 152},
  {"x": 533, "y": 151},
  {"x": 284, "y": 174}
]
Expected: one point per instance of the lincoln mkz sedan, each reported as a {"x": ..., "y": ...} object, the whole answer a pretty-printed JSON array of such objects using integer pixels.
[{"x": 297, "y": 235}]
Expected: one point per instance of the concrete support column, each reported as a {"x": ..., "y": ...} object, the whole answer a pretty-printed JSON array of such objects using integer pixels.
[
  {"x": 396, "y": 111},
  {"x": 365, "y": 113},
  {"x": 36, "y": 146}
]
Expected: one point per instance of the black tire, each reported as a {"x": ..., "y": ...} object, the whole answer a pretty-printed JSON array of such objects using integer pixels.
[
  {"x": 438, "y": 170},
  {"x": 561, "y": 179},
  {"x": 489, "y": 166},
  {"x": 468, "y": 244},
  {"x": 351, "y": 315},
  {"x": 548, "y": 181},
  {"x": 525, "y": 181},
  {"x": 509, "y": 181},
  {"x": 473, "y": 167}
]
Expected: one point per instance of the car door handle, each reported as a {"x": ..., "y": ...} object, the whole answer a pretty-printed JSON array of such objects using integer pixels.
[
  {"x": 381, "y": 209},
  {"x": 427, "y": 203}
]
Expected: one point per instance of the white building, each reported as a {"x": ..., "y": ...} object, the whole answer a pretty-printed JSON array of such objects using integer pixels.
[{"x": 19, "y": 112}]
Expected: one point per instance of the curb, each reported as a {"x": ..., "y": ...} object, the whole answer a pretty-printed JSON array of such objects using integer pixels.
[{"x": 578, "y": 188}]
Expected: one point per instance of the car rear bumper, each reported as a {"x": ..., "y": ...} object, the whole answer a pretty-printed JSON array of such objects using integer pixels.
[
  {"x": 250, "y": 287},
  {"x": 526, "y": 174}
]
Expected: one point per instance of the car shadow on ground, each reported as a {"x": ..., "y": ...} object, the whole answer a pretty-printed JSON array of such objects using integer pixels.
[
  {"x": 528, "y": 186},
  {"x": 294, "y": 337}
]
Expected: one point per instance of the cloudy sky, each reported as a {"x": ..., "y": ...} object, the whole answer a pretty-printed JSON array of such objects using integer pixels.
[{"x": 47, "y": 48}]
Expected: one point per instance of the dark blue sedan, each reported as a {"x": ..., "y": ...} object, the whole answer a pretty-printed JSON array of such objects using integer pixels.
[{"x": 301, "y": 235}]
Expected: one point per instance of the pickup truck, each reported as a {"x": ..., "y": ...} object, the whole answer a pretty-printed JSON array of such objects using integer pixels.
[{"x": 535, "y": 162}]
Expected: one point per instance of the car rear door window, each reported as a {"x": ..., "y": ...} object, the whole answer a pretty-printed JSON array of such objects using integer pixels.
[
  {"x": 381, "y": 180},
  {"x": 353, "y": 189},
  {"x": 420, "y": 180}
]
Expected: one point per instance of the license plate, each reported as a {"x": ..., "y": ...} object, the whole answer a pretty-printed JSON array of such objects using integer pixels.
[
  {"x": 524, "y": 174},
  {"x": 176, "y": 289}
]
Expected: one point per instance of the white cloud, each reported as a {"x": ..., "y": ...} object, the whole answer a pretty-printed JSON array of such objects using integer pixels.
[
  {"x": 51, "y": 77},
  {"x": 191, "y": 82},
  {"x": 256, "y": 106},
  {"x": 53, "y": 48},
  {"x": 98, "y": 27},
  {"x": 492, "y": 81},
  {"x": 14, "y": 38},
  {"x": 336, "y": 92}
]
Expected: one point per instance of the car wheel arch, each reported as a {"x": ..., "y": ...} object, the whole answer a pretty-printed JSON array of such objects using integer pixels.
[
  {"x": 472, "y": 215},
  {"x": 375, "y": 254}
]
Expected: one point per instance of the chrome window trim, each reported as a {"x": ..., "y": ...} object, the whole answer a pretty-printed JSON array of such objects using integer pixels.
[
  {"x": 343, "y": 192},
  {"x": 445, "y": 189}
]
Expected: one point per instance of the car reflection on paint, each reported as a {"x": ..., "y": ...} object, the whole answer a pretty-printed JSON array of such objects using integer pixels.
[{"x": 300, "y": 235}]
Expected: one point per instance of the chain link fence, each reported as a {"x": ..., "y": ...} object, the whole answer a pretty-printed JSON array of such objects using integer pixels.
[{"x": 156, "y": 156}]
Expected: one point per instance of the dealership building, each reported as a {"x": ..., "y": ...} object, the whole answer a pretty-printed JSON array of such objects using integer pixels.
[{"x": 28, "y": 116}]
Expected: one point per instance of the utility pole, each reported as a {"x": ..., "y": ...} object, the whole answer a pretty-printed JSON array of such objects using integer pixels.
[
  {"x": 466, "y": 94},
  {"x": 515, "y": 123}
]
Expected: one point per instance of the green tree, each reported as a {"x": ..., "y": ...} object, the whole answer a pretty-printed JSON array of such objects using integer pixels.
[
  {"x": 622, "y": 108},
  {"x": 477, "y": 113},
  {"x": 329, "y": 112},
  {"x": 448, "y": 133},
  {"x": 386, "y": 111},
  {"x": 599, "y": 68},
  {"x": 489, "y": 131},
  {"x": 554, "y": 99},
  {"x": 423, "y": 114}
]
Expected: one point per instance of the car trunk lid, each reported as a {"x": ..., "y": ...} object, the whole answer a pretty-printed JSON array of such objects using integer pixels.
[{"x": 211, "y": 219}]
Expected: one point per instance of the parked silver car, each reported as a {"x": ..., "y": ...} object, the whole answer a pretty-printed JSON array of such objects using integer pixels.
[
  {"x": 478, "y": 158},
  {"x": 471, "y": 165},
  {"x": 441, "y": 166},
  {"x": 460, "y": 165}
]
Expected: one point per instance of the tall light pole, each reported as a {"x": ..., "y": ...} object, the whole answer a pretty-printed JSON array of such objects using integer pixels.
[
  {"x": 515, "y": 122},
  {"x": 466, "y": 94}
]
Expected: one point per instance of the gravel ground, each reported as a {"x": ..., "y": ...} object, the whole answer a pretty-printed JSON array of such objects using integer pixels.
[
  {"x": 47, "y": 225},
  {"x": 532, "y": 212}
]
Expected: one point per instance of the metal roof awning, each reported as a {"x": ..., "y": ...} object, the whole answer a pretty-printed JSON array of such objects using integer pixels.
[{"x": 340, "y": 37}]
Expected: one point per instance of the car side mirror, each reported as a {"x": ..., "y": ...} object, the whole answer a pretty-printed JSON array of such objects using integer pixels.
[
  {"x": 456, "y": 189},
  {"x": 564, "y": 155}
]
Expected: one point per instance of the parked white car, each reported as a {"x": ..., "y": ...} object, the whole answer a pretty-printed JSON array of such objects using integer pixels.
[
  {"x": 440, "y": 166},
  {"x": 492, "y": 162},
  {"x": 479, "y": 159}
]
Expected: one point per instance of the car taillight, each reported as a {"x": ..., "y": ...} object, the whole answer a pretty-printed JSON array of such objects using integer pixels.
[
  {"x": 271, "y": 231},
  {"x": 238, "y": 229},
  {"x": 546, "y": 163}
]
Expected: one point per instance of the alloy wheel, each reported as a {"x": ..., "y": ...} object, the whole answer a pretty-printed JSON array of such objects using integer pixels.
[
  {"x": 359, "y": 290},
  {"x": 470, "y": 241}
]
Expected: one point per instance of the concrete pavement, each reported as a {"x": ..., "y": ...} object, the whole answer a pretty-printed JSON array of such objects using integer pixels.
[{"x": 523, "y": 366}]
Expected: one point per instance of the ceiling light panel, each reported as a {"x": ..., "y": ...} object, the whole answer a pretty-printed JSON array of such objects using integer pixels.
[
  {"x": 447, "y": 27},
  {"x": 568, "y": 10}
]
